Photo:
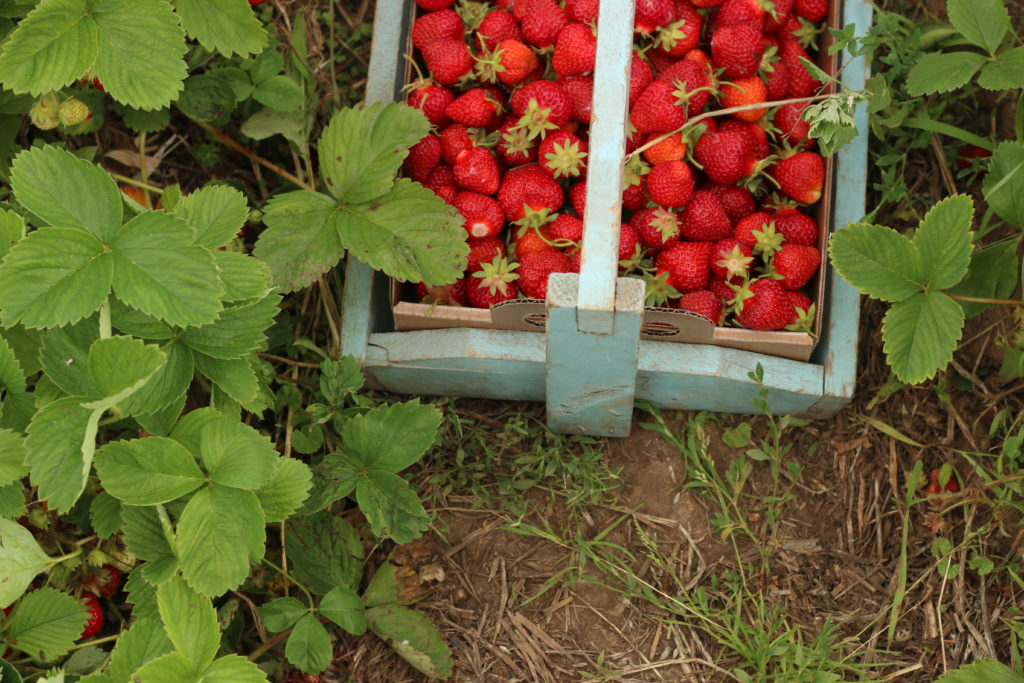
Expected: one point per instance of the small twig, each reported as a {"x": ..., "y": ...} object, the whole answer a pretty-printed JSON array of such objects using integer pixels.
[
  {"x": 241, "y": 149},
  {"x": 262, "y": 649}
]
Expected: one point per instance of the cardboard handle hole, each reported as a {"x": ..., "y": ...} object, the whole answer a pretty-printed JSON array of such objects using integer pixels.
[
  {"x": 536, "y": 319},
  {"x": 657, "y": 328}
]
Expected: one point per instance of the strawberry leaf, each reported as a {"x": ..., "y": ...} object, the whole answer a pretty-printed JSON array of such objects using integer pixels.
[
  {"x": 233, "y": 669},
  {"x": 189, "y": 621},
  {"x": 942, "y": 72},
  {"x": 1004, "y": 184},
  {"x": 944, "y": 241},
  {"x": 166, "y": 668},
  {"x": 243, "y": 277},
  {"x": 344, "y": 607},
  {"x": 144, "y": 641},
  {"x": 878, "y": 261},
  {"x": 55, "y": 44},
  {"x": 309, "y": 645},
  {"x": 61, "y": 443},
  {"x": 301, "y": 240},
  {"x": 12, "y": 455},
  {"x": 414, "y": 637},
  {"x": 225, "y": 26},
  {"x": 45, "y": 623},
  {"x": 983, "y": 22},
  {"x": 149, "y": 538},
  {"x": 21, "y": 559},
  {"x": 286, "y": 489},
  {"x": 147, "y": 471},
  {"x": 1005, "y": 72},
  {"x": 237, "y": 455},
  {"x": 237, "y": 331},
  {"x": 216, "y": 213},
  {"x": 993, "y": 274},
  {"x": 324, "y": 551},
  {"x": 920, "y": 335}
]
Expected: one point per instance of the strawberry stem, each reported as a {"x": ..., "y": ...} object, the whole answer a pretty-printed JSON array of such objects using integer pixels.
[{"x": 983, "y": 300}]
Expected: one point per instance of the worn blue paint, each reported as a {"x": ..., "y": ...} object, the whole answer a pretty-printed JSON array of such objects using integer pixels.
[{"x": 591, "y": 376}]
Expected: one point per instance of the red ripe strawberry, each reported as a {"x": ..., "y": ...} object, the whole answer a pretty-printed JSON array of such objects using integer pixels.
[
  {"x": 659, "y": 109},
  {"x": 575, "y": 50},
  {"x": 757, "y": 137},
  {"x": 475, "y": 169},
  {"x": 432, "y": 100},
  {"x": 796, "y": 264},
  {"x": 578, "y": 196},
  {"x": 650, "y": 15},
  {"x": 802, "y": 302},
  {"x": 445, "y": 23},
  {"x": 94, "y": 612},
  {"x": 455, "y": 139},
  {"x": 737, "y": 49},
  {"x": 492, "y": 284},
  {"x": 801, "y": 82},
  {"x": 634, "y": 138},
  {"x": 497, "y": 26},
  {"x": 582, "y": 11},
  {"x": 657, "y": 227},
  {"x": 722, "y": 289},
  {"x": 514, "y": 143},
  {"x": 687, "y": 263},
  {"x": 535, "y": 268},
  {"x": 796, "y": 227},
  {"x": 575, "y": 259},
  {"x": 434, "y": 5},
  {"x": 703, "y": 302},
  {"x": 447, "y": 59},
  {"x": 629, "y": 242},
  {"x": 566, "y": 230},
  {"x": 777, "y": 16},
  {"x": 694, "y": 78},
  {"x": 423, "y": 157},
  {"x": 475, "y": 107},
  {"x": 801, "y": 176},
  {"x": 528, "y": 187},
  {"x": 683, "y": 34},
  {"x": 704, "y": 219},
  {"x": 776, "y": 78},
  {"x": 764, "y": 306},
  {"x": 705, "y": 4},
  {"x": 440, "y": 175},
  {"x": 725, "y": 156},
  {"x": 744, "y": 92},
  {"x": 542, "y": 22},
  {"x": 672, "y": 148},
  {"x": 731, "y": 260},
  {"x": 580, "y": 90},
  {"x": 483, "y": 216},
  {"x": 742, "y": 11},
  {"x": 563, "y": 155},
  {"x": 512, "y": 62},
  {"x": 670, "y": 183},
  {"x": 634, "y": 197},
  {"x": 790, "y": 124},
  {"x": 700, "y": 58},
  {"x": 533, "y": 240},
  {"x": 737, "y": 201},
  {"x": 483, "y": 251},
  {"x": 541, "y": 106},
  {"x": 444, "y": 295},
  {"x": 757, "y": 231},
  {"x": 640, "y": 76},
  {"x": 812, "y": 10}
]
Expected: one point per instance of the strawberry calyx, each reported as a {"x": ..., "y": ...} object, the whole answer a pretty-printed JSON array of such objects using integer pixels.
[
  {"x": 498, "y": 274},
  {"x": 472, "y": 13},
  {"x": 565, "y": 159},
  {"x": 769, "y": 240},
  {"x": 635, "y": 171},
  {"x": 658, "y": 291},
  {"x": 535, "y": 119},
  {"x": 487, "y": 65},
  {"x": 804, "y": 321},
  {"x": 517, "y": 140},
  {"x": 635, "y": 261},
  {"x": 533, "y": 219},
  {"x": 735, "y": 262},
  {"x": 807, "y": 34},
  {"x": 669, "y": 36}
]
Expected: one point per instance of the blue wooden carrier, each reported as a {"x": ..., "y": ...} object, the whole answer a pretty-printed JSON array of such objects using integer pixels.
[{"x": 590, "y": 364}]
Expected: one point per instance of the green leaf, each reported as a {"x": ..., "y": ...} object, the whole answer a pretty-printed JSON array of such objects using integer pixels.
[
  {"x": 12, "y": 500},
  {"x": 944, "y": 241},
  {"x": 160, "y": 272},
  {"x": 300, "y": 241},
  {"x": 140, "y": 53},
  {"x": 143, "y": 642},
  {"x": 1006, "y": 72},
  {"x": 414, "y": 637},
  {"x": 339, "y": 379},
  {"x": 12, "y": 455},
  {"x": 983, "y": 22},
  {"x": 993, "y": 274},
  {"x": 190, "y": 622},
  {"x": 21, "y": 559},
  {"x": 46, "y": 623},
  {"x": 410, "y": 234},
  {"x": 738, "y": 436},
  {"x": 878, "y": 261},
  {"x": 309, "y": 646},
  {"x": 982, "y": 671},
  {"x": 120, "y": 365},
  {"x": 167, "y": 384},
  {"x": 147, "y": 471},
  {"x": 363, "y": 147},
  {"x": 12, "y": 229},
  {"x": 293, "y": 125},
  {"x": 280, "y": 614},
  {"x": 53, "y": 277},
  {"x": 235, "y": 377},
  {"x": 55, "y": 44},
  {"x": 61, "y": 442},
  {"x": 65, "y": 357},
  {"x": 66, "y": 191},
  {"x": 8, "y": 674},
  {"x": 168, "y": 668},
  {"x": 280, "y": 93},
  {"x": 146, "y": 121},
  {"x": 385, "y": 588},
  {"x": 243, "y": 276},
  {"x": 265, "y": 65},
  {"x": 225, "y": 26},
  {"x": 206, "y": 97},
  {"x": 146, "y": 536},
  {"x": 138, "y": 324},
  {"x": 216, "y": 213},
  {"x": 84, "y": 660},
  {"x": 236, "y": 332},
  {"x": 920, "y": 335},
  {"x": 391, "y": 437},
  {"x": 215, "y": 533},
  {"x": 105, "y": 514},
  {"x": 1004, "y": 184},
  {"x": 343, "y": 606},
  {"x": 324, "y": 551},
  {"x": 237, "y": 455},
  {"x": 188, "y": 432},
  {"x": 162, "y": 421},
  {"x": 334, "y": 478},
  {"x": 233, "y": 669},
  {"x": 942, "y": 72},
  {"x": 141, "y": 594},
  {"x": 238, "y": 79},
  {"x": 284, "y": 492},
  {"x": 391, "y": 507}
]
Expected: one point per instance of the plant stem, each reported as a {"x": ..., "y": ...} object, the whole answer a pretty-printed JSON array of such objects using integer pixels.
[
  {"x": 142, "y": 170},
  {"x": 106, "y": 330},
  {"x": 98, "y": 641},
  {"x": 65, "y": 558},
  {"x": 137, "y": 183},
  {"x": 258, "y": 652},
  {"x": 282, "y": 572},
  {"x": 983, "y": 300},
  {"x": 235, "y": 145}
]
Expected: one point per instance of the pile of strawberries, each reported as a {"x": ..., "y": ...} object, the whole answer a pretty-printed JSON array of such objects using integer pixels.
[{"x": 714, "y": 214}]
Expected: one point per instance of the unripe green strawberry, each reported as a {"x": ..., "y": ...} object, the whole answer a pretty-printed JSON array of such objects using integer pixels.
[
  {"x": 45, "y": 113},
  {"x": 73, "y": 112}
]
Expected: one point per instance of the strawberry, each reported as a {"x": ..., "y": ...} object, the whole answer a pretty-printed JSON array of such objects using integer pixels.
[
  {"x": 688, "y": 265},
  {"x": 535, "y": 268},
  {"x": 737, "y": 49},
  {"x": 757, "y": 231},
  {"x": 492, "y": 284},
  {"x": 657, "y": 227},
  {"x": 764, "y": 306},
  {"x": 634, "y": 197},
  {"x": 566, "y": 230},
  {"x": 756, "y": 136},
  {"x": 497, "y": 26},
  {"x": 812, "y": 10},
  {"x": 103, "y": 582},
  {"x": 796, "y": 227},
  {"x": 448, "y": 60},
  {"x": 580, "y": 90},
  {"x": 803, "y": 313},
  {"x": 455, "y": 139},
  {"x": 514, "y": 143},
  {"x": 578, "y": 196},
  {"x": 629, "y": 243},
  {"x": 475, "y": 169},
  {"x": 445, "y": 23},
  {"x": 731, "y": 260},
  {"x": 705, "y": 4},
  {"x": 95, "y": 616},
  {"x": 743, "y": 11},
  {"x": 432, "y": 100},
  {"x": 575, "y": 50},
  {"x": 434, "y": 5},
  {"x": 737, "y": 201},
  {"x": 700, "y": 58},
  {"x": 702, "y": 302},
  {"x": 744, "y": 92},
  {"x": 444, "y": 295},
  {"x": 475, "y": 107},
  {"x": 528, "y": 187},
  {"x": 423, "y": 157},
  {"x": 582, "y": 11},
  {"x": 562, "y": 154},
  {"x": 683, "y": 34},
  {"x": 482, "y": 214},
  {"x": 483, "y": 251},
  {"x": 801, "y": 82},
  {"x": 442, "y": 182},
  {"x": 723, "y": 290},
  {"x": 788, "y": 119},
  {"x": 776, "y": 79},
  {"x": 532, "y": 240},
  {"x": 704, "y": 219},
  {"x": 777, "y": 15},
  {"x": 650, "y": 15},
  {"x": 660, "y": 108},
  {"x": 800, "y": 30},
  {"x": 672, "y": 148},
  {"x": 690, "y": 77},
  {"x": 634, "y": 179},
  {"x": 796, "y": 264},
  {"x": 801, "y": 302},
  {"x": 541, "y": 106},
  {"x": 670, "y": 183},
  {"x": 725, "y": 156},
  {"x": 640, "y": 76},
  {"x": 801, "y": 176},
  {"x": 542, "y": 21},
  {"x": 512, "y": 62}
]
